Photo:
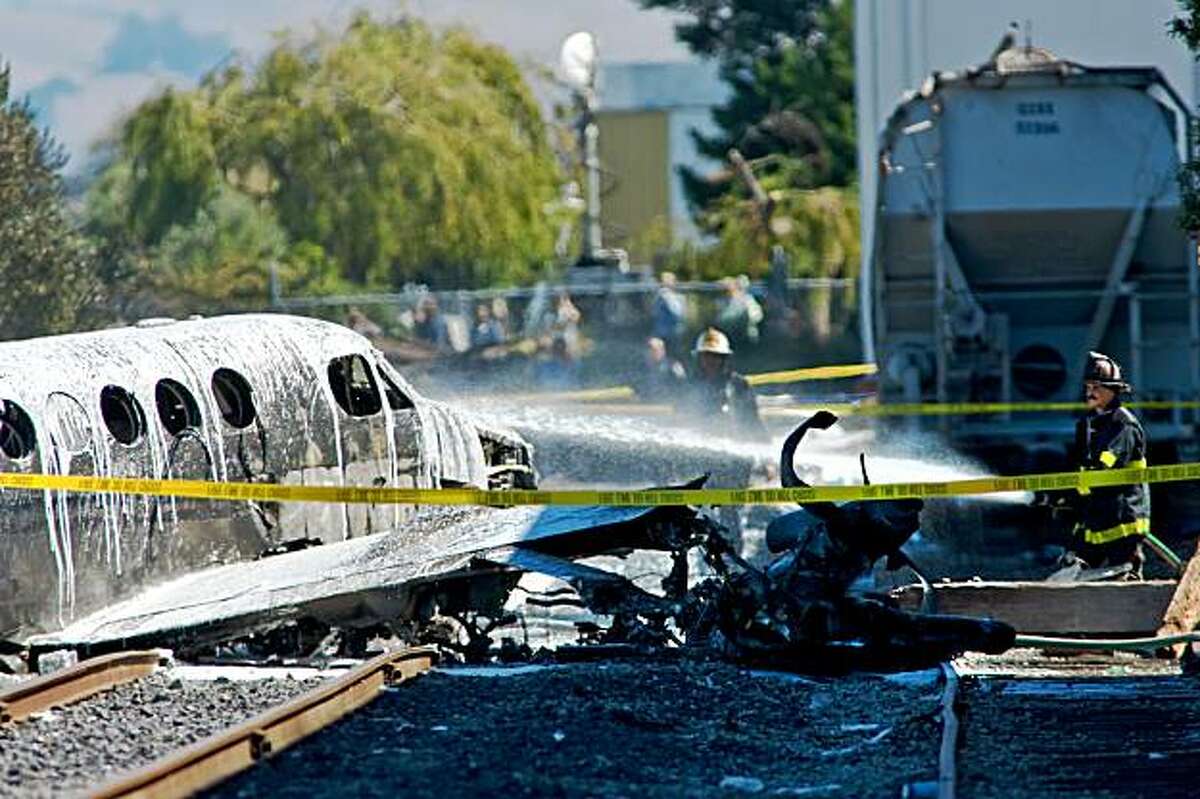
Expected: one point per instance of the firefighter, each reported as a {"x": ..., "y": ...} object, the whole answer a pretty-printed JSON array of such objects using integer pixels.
[
  {"x": 715, "y": 390},
  {"x": 1113, "y": 520}
]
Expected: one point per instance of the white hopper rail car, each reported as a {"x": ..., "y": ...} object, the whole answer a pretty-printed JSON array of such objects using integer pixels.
[{"x": 1027, "y": 212}]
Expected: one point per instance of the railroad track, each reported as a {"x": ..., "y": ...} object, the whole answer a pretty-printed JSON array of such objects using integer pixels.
[
  {"x": 67, "y": 732},
  {"x": 1017, "y": 736},
  {"x": 1016, "y": 733},
  {"x": 222, "y": 755},
  {"x": 652, "y": 727},
  {"x": 73, "y": 684}
]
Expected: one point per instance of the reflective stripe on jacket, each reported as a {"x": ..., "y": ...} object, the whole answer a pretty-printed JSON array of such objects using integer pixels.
[{"x": 1136, "y": 527}]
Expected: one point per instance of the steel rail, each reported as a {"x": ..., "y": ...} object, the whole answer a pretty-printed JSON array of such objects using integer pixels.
[
  {"x": 947, "y": 767},
  {"x": 227, "y": 753},
  {"x": 77, "y": 682}
]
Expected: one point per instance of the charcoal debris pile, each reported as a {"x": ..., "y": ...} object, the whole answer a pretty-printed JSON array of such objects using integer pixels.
[{"x": 667, "y": 727}]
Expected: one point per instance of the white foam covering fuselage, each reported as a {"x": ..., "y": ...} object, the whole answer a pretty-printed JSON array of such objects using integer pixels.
[{"x": 65, "y": 554}]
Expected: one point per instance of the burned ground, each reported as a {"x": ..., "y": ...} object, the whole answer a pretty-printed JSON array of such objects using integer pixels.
[{"x": 659, "y": 728}]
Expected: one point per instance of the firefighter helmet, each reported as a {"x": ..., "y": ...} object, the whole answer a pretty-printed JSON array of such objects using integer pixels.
[
  {"x": 1105, "y": 371},
  {"x": 714, "y": 341}
]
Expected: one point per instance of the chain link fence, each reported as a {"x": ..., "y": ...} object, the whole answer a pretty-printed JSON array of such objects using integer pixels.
[{"x": 598, "y": 328}]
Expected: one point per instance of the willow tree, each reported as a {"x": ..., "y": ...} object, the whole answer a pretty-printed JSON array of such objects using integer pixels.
[{"x": 382, "y": 154}]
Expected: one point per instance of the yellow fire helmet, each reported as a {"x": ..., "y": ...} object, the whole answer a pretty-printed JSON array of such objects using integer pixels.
[{"x": 714, "y": 341}]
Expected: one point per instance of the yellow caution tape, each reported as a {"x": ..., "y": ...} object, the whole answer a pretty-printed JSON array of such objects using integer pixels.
[
  {"x": 645, "y": 409},
  {"x": 588, "y": 395},
  {"x": 875, "y": 409},
  {"x": 763, "y": 379},
  {"x": 813, "y": 373},
  {"x": 960, "y": 408},
  {"x": 270, "y": 492}
]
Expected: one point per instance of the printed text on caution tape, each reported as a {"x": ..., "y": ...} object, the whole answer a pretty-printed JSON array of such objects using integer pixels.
[{"x": 269, "y": 492}]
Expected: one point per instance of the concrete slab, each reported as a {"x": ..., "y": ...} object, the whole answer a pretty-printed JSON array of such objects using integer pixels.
[{"x": 1101, "y": 608}]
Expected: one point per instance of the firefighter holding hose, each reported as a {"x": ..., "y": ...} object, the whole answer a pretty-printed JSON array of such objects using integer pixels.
[
  {"x": 1114, "y": 520},
  {"x": 718, "y": 396}
]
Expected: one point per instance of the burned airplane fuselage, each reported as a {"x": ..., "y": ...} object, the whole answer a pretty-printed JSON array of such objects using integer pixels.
[{"x": 257, "y": 398}]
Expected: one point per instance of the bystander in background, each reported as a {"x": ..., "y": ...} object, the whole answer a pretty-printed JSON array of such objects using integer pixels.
[
  {"x": 429, "y": 324},
  {"x": 667, "y": 317},
  {"x": 487, "y": 331},
  {"x": 740, "y": 315},
  {"x": 662, "y": 376}
]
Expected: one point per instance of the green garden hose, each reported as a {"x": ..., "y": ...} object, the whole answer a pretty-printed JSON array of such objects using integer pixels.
[
  {"x": 1106, "y": 644},
  {"x": 1164, "y": 552}
]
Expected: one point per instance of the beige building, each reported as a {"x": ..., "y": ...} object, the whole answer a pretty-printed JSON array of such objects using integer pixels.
[{"x": 645, "y": 115}]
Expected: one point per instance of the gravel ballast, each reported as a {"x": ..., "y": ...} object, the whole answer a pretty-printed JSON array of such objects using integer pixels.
[
  {"x": 625, "y": 728},
  {"x": 68, "y": 751}
]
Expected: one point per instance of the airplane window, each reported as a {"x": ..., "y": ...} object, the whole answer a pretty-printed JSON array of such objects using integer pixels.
[
  {"x": 17, "y": 436},
  {"x": 397, "y": 399},
  {"x": 177, "y": 408},
  {"x": 123, "y": 414},
  {"x": 67, "y": 422},
  {"x": 235, "y": 398},
  {"x": 353, "y": 386}
]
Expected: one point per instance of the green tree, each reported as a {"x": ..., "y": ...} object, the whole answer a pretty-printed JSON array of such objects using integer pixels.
[
  {"x": 1186, "y": 28},
  {"x": 46, "y": 264},
  {"x": 221, "y": 261},
  {"x": 384, "y": 154},
  {"x": 818, "y": 229},
  {"x": 172, "y": 163},
  {"x": 790, "y": 66}
]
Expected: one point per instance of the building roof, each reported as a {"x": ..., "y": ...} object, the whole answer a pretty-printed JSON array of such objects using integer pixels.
[{"x": 666, "y": 85}]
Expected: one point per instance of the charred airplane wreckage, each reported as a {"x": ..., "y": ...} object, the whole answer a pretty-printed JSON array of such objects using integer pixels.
[
  {"x": 460, "y": 567},
  {"x": 256, "y": 398}
]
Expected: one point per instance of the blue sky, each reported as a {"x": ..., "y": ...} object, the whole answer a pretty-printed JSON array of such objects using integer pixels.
[{"x": 84, "y": 63}]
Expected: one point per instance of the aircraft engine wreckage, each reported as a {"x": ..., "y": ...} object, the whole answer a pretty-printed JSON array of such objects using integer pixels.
[
  {"x": 258, "y": 398},
  {"x": 799, "y": 612}
]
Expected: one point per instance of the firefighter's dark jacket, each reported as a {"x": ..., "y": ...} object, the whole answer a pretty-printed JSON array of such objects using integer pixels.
[
  {"x": 1112, "y": 439},
  {"x": 729, "y": 397}
]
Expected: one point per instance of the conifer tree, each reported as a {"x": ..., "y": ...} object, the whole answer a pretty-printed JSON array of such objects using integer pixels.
[{"x": 46, "y": 264}]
